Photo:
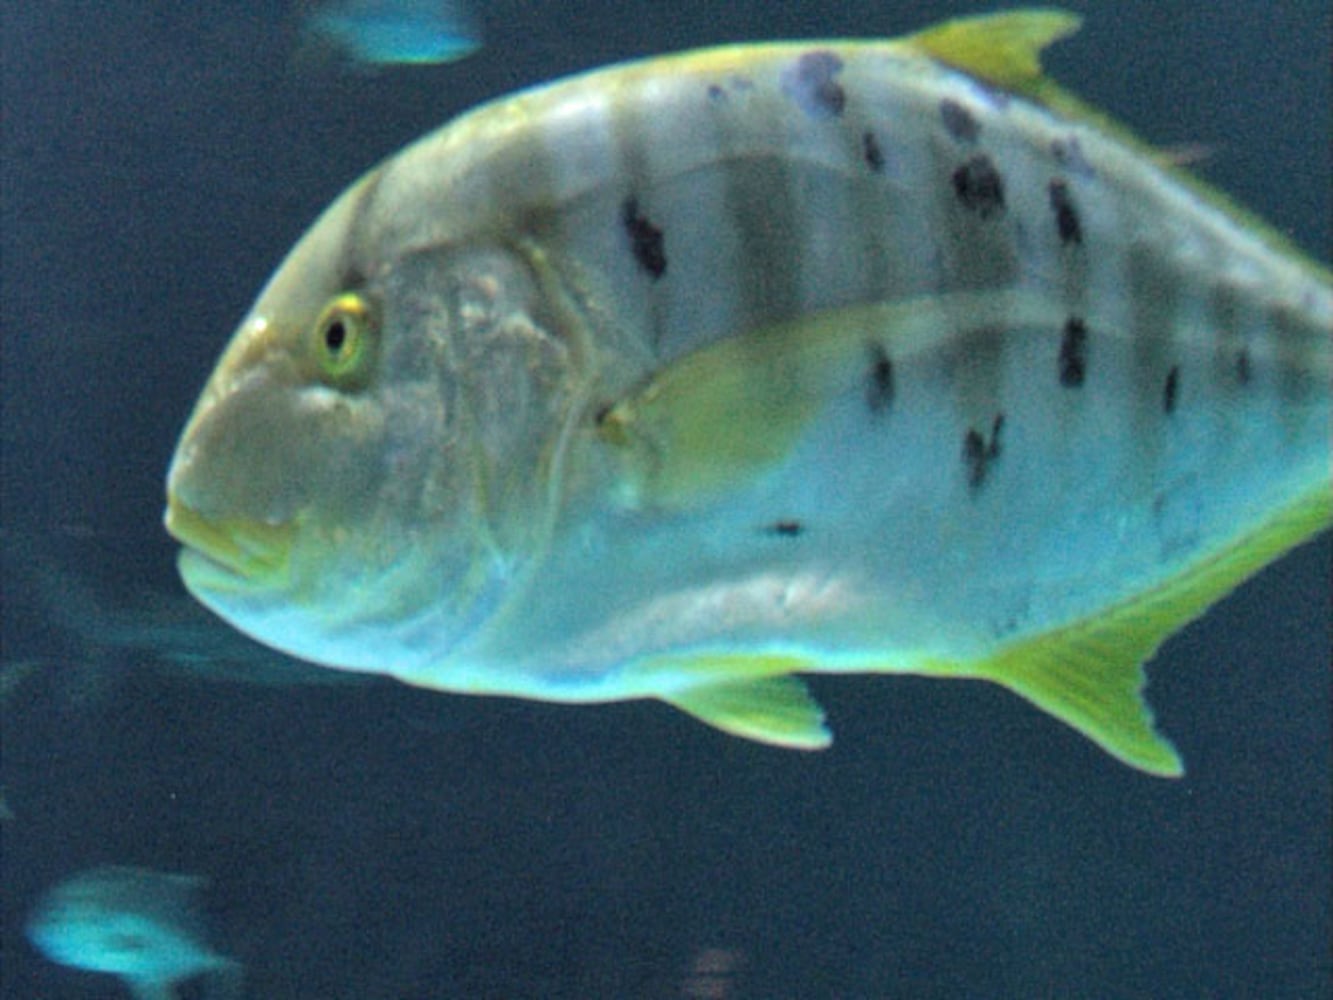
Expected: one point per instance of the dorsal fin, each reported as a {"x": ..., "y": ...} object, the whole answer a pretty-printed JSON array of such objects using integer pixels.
[
  {"x": 1000, "y": 49},
  {"x": 1004, "y": 51}
]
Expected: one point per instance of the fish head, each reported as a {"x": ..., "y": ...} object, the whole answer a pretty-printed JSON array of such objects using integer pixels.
[{"x": 348, "y": 483}]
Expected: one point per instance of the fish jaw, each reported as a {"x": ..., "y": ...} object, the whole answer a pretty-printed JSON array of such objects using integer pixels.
[{"x": 229, "y": 554}]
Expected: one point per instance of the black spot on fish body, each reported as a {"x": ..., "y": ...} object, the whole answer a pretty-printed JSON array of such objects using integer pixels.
[
  {"x": 979, "y": 186},
  {"x": 1074, "y": 353},
  {"x": 1171, "y": 390},
  {"x": 1069, "y": 154},
  {"x": 721, "y": 92},
  {"x": 879, "y": 380},
  {"x": 786, "y": 528},
  {"x": 1067, "y": 223},
  {"x": 1244, "y": 367},
  {"x": 974, "y": 457},
  {"x": 645, "y": 239},
  {"x": 872, "y": 153},
  {"x": 127, "y": 943},
  {"x": 614, "y": 424},
  {"x": 811, "y": 82},
  {"x": 959, "y": 121},
  {"x": 980, "y": 451},
  {"x": 993, "y": 447}
]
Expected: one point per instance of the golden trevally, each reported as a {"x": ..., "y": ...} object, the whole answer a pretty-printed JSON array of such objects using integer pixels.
[{"x": 681, "y": 378}]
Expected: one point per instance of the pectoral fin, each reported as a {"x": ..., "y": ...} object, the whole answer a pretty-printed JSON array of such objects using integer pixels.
[{"x": 714, "y": 419}]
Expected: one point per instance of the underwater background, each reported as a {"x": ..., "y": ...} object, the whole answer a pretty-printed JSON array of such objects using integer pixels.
[{"x": 365, "y": 840}]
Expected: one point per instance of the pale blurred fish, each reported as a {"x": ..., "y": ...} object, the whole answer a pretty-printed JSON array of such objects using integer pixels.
[
  {"x": 140, "y": 925},
  {"x": 104, "y": 634},
  {"x": 396, "y": 32}
]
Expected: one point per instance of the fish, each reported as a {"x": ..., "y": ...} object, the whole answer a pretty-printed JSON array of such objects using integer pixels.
[
  {"x": 394, "y": 32},
  {"x": 162, "y": 630},
  {"x": 140, "y": 925},
  {"x": 686, "y": 377}
]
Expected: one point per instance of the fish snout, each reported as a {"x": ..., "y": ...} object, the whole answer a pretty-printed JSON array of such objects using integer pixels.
[{"x": 229, "y": 553}]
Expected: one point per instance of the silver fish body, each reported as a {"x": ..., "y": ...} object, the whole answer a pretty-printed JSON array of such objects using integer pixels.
[{"x": 687, "y": 375}]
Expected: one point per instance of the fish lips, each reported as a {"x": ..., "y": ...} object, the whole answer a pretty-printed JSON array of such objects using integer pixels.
[{"x": 229, "y": 554}]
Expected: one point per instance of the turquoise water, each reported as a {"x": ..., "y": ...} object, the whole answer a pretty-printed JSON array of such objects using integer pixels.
[{"x": 369, "y": 841}]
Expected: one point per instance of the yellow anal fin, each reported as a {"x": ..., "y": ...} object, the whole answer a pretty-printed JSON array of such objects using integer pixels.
[
  {"x": 1089, "y": 674},
  {"x": 1002, "y": 49},
  {"x": 1084, "y": 679},
  {"x": 754, "y": 697}
]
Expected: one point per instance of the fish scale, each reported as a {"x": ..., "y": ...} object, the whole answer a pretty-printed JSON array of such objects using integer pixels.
[{"x": 697, "y": 373}]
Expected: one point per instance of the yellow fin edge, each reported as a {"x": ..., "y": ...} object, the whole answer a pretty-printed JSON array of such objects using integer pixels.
[
  {"x": 755, "y": 697},
  {"x": 1089, "y": 674},
  {"x": 1004, "y": 50}
]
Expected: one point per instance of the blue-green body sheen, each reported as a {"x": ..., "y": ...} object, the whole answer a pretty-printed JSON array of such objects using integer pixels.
[{"x": 825, "y": 357}]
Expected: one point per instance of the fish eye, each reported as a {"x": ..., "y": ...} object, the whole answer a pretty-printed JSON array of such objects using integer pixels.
[{"x": 343, "y": 339}]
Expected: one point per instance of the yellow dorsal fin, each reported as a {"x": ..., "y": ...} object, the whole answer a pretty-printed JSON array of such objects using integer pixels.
[
  {"x": 1004, "y": 51},
  {"x": 1000, "y": 49}
]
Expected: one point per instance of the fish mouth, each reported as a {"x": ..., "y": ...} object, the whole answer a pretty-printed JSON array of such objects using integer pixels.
[{"x": 229, "y": 553}]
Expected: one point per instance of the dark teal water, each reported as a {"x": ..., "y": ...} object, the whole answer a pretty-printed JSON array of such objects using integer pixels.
[{"x": 367, "y": 841}]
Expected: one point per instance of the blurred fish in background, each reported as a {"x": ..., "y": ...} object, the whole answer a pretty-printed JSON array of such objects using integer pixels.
[
  {"x": 97, "y": 635},
  {"x": 379, "y": 33},
  {"x": 140, "y": 925}
]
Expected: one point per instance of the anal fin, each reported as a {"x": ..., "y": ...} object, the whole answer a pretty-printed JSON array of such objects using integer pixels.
[
  {"x": 1089, "y": 674},
  {"x": 1087, "y": 679}
]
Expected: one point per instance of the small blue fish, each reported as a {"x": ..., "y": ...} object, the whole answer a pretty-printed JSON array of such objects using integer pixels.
[
  {"x": 139, "y": 925},
  {"x": 396, "y": 32}
]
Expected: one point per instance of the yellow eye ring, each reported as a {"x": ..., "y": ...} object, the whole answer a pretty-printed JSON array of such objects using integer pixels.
[{"x": 343, "y": 339}]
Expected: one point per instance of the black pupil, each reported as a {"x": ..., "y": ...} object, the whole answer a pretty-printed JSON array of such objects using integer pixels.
[{"x": 335, "y": 335}]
